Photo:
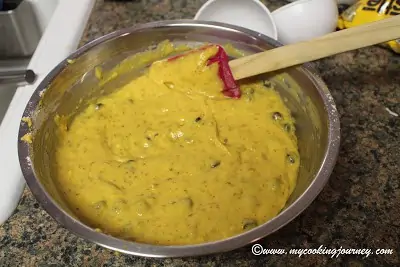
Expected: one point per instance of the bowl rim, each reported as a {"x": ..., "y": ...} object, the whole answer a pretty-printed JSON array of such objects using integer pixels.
[{"x": 156, "y": 251}]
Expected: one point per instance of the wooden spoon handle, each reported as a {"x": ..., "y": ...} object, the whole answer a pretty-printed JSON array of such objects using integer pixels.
[{"x": 330, "y": 44}]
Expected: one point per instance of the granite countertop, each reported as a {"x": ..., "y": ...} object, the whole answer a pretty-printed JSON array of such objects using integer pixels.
[{"x": 358, "y": 208}]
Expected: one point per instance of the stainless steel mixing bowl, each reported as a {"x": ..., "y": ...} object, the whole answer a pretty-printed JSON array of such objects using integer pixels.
[{"x": 317, "y": 125}]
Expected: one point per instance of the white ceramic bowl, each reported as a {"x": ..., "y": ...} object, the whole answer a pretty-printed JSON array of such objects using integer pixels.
[
  {"x": 305, "y": 19},
  {"x": 250, "y": 14},
  {"x": 345, "y": 2}
]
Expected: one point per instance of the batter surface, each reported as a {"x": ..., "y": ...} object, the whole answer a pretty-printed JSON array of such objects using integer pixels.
[{"x": 168, "y": 159}]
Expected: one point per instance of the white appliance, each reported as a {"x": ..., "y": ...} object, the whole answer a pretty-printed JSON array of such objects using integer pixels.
[{"x": 63, "y": 22}]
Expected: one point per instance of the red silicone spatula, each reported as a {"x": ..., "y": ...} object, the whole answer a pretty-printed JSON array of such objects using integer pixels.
[
  {"x": 231, "y": 88},
  {"x": 299, "y": 53}
]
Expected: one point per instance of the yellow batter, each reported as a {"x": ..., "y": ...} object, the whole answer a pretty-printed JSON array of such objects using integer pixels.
[{"x": 167, "y": 159}]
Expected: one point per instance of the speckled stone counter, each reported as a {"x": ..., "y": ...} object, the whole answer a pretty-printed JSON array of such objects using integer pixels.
[{"x": 359, "y": 207}]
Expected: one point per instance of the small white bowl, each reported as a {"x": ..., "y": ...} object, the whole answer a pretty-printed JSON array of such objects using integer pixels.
[
  {"x": 250, "y": 14},
  {"x": 303, "y": 20},
  {"x": 344, "y": 2}
]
